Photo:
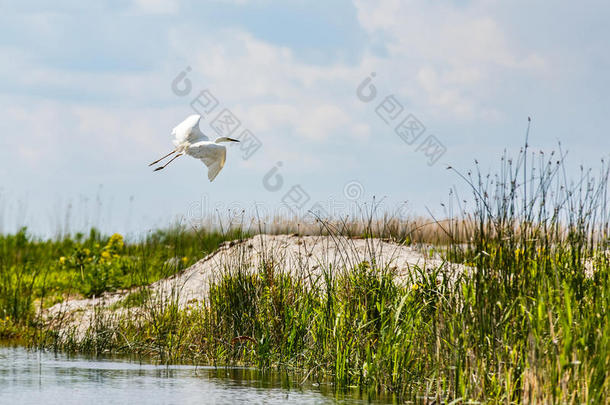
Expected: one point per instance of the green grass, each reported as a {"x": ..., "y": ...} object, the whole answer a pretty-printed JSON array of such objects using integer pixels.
[
  {"x": 528, "y": 323},
  {"x": 436, "y": 338},
  {"x": 38, "y": 273}
]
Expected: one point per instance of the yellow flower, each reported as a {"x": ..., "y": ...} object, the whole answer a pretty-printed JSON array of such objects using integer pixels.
[
  {"x": 185, "y": 259},
  {"x": 62, "y": 260},
  {"x": 106, "y": 255},
  {"x": 116, "y": 242},
  {"x": 86, "y": 251}
]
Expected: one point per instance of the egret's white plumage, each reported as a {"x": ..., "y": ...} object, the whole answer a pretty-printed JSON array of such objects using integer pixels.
[
  {"x": 189, "y": 140},
  {"x": 212, "y": 154},
  {"x": 188, "y": 132}
]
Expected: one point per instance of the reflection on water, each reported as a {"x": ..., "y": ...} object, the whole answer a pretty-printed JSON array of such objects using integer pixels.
[{"x": 28, "y": 377}]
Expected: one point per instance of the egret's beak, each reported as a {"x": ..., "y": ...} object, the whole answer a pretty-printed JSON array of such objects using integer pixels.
[{"x": 233, "y": 140}]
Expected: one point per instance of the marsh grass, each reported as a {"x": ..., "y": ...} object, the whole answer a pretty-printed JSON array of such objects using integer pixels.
[
  {"x": 527, "y": 323},
  {"x": 35, "y": 274}
]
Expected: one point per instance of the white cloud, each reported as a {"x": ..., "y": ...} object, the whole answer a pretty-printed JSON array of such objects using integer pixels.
[
  {"x": 454, "y": 58},
  {"x": 308, "y": 121},
  {"x": 440, "y": 61},
  {"x": 156, "y": 6},
  {"x": 45, "y": 134},
  {"x": 272, "y": 90}
]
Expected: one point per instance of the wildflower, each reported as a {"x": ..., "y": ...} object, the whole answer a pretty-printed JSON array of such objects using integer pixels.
[
  {"x": 106, "y": 255},
  {"x": 185, "y": 260},
  {"x": 116, "y": 242},
  {"x": 62, "y": 260}
]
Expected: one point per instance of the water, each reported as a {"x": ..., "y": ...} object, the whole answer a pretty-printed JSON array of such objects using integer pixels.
[{"x": 34, "y": 377}]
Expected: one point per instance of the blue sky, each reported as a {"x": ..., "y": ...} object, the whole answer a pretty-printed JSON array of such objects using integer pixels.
[{"x": 86, "y": 101}]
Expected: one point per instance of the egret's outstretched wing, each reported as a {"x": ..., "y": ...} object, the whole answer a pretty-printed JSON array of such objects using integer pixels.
[
  {"x": 212, "y": 154},
  {"x": 188, "y": 131}
]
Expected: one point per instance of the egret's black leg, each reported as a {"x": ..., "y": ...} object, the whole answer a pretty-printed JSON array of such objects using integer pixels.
[
  {"x": 172, "y": 159},
  {"x": 158, "y": 160}
]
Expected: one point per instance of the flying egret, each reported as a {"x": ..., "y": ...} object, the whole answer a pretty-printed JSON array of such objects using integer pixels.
[{"x": 189, "y": 140}]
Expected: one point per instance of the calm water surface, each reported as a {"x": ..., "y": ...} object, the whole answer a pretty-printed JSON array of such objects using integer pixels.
[{"x": 34, "y": 377}]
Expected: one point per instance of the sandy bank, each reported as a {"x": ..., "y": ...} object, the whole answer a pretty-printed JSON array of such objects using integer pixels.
[{"x": 307, "y": 257}]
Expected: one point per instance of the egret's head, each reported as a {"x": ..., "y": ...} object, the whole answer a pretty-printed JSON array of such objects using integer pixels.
[{"x": 225, "y": 139}]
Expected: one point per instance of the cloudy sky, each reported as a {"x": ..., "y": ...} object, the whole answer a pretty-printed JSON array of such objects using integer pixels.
[{"x": 89, "y": 95}]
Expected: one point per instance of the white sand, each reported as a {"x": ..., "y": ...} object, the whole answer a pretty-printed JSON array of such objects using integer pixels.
[{"x": 301, "y": 256}]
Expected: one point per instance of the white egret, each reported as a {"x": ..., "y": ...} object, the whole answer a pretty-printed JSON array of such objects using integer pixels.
[{"x": 189, "y": 140}]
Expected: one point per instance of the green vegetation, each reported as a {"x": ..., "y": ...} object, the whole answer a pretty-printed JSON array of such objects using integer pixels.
[
  {"x": 36, "y": 274},
  {"x": 527, "y": 323}
]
